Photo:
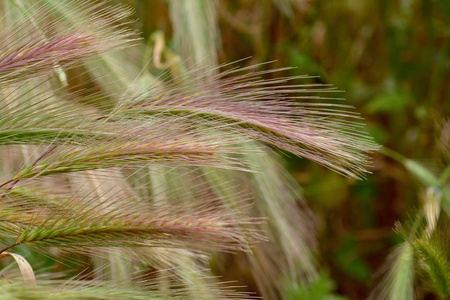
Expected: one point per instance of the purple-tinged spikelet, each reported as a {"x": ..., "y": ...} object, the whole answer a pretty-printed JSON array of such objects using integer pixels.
[
  {"x": 42, "y": 40},
  {"x": 272, "y": 111}
]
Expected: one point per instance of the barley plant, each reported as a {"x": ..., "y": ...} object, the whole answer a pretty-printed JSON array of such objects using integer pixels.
[{"x": 129, "y": 171}]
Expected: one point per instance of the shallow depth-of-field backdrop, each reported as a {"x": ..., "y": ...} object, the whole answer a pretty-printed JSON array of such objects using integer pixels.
[{"x": 166, "y": 162}]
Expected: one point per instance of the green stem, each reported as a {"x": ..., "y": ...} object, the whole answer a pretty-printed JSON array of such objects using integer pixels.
[
  {"x": 7, "y": 248},
  {"x": 445, "y": 175},
  {"x": 393, "y": 154}
]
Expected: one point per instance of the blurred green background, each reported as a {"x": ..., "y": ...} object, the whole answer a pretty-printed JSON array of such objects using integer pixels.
[{"x": 392, "y": 59}]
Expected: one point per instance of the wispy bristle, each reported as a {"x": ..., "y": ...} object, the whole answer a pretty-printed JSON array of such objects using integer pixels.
[
  {"x": 40, "y": 55},
  {"x": 121, "y": 147},
  {"x": 41, "y": 40},
  {"x": 75, "y": 222},
  {"x": 270, "y": 111},
  {"x": 97, "y": 290}
]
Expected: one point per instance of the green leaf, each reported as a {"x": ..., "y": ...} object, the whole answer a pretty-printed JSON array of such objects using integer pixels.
[
  {"x": 391, "y": 102},
  {"x": 322, "y": 288}
]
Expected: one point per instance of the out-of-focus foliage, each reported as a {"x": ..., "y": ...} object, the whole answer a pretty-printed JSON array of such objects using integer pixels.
[{"x": 321, "y": 288}]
